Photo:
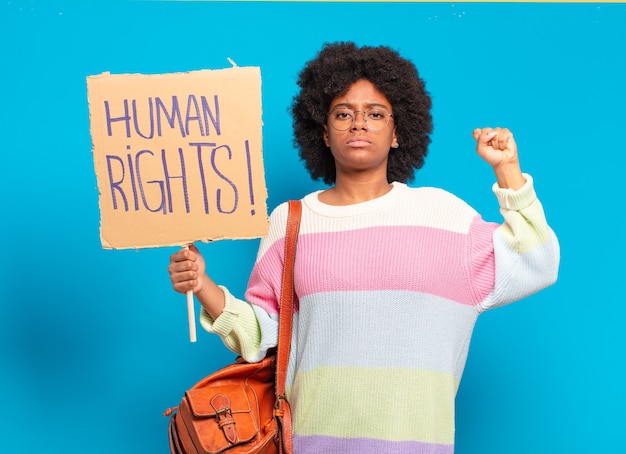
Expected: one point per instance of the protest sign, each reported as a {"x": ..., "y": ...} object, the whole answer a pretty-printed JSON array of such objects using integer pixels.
[{"x": 178, "y": 157}]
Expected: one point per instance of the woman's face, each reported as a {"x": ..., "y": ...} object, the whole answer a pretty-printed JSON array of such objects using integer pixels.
[{"x": 358, "y": 148}]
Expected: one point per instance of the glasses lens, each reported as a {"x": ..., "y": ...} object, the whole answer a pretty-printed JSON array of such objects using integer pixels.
[
  {"x": 342, "y": 118},
  {"x": 377, "y": 119}
]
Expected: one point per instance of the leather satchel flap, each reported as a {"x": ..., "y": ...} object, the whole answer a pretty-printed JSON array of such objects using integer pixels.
[{"x": 227, "y": 412}]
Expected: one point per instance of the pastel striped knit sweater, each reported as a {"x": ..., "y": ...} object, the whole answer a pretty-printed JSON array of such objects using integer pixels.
[{"x": 389, "y": 292}]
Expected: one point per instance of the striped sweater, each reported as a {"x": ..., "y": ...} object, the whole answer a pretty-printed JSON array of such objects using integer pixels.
[{"x": 389, "y": 292}]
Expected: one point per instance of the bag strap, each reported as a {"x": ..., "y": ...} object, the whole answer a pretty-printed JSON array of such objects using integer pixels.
[{"x": 285, "y": 321}]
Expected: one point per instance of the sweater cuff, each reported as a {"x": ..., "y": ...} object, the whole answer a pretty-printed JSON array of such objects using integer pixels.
[
  {"x": 224, "y": 324},
  {"x": 516, "y": 200}
]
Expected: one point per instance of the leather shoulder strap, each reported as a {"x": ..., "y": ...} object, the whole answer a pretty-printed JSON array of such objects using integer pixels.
[
  {"x": 285, "y": 317},
  {"x": 282, "y": 410}
]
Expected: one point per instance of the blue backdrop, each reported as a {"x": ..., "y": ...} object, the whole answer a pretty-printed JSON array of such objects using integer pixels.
[{"x": 94, "y": 343}]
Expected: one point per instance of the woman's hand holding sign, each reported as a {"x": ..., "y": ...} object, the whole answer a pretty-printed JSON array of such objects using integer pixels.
[{"x": 187, "y": 271}]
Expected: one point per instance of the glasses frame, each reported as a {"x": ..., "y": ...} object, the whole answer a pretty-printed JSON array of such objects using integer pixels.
[{"x": 364, "y": 112}]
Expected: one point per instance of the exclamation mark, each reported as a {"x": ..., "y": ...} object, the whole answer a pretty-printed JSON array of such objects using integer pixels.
[{"x": 252, "y": 211}]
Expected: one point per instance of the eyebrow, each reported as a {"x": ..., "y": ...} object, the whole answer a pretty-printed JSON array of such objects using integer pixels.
[{"x": 368, "y": 105}]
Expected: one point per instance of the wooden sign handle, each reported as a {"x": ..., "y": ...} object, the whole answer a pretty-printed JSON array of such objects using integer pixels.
[{"x": 191, "y": 317}]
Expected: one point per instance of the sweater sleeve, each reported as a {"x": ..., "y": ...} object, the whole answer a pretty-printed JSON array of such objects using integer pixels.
[
  {"x": 526, "y": 249},
  {"x": 237, "y": 326},
  {"x": 250, "y": 327}
]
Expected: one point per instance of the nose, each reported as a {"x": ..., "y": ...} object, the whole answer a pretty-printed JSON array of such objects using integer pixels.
[{"x": 359, "y": 124}]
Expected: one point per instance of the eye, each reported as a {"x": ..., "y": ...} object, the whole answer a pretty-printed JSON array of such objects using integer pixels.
[
  {"x": 376, "y": 114},
  {"x": 343, "y": 115}
]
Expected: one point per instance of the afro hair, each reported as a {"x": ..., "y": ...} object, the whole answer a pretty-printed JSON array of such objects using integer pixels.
[{"x": 330, "y": 74}]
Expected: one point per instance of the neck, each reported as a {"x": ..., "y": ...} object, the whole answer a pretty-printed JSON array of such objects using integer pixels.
[{"x": 349, "y": 192}]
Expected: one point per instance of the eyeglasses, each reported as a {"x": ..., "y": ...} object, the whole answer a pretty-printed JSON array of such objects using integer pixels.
[{"x": 376, "y": 119}]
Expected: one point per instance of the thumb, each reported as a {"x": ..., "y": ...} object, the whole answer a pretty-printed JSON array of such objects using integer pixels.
[
  {"x": 193, "y": 248},
  {"x": 484, "y": 135}
]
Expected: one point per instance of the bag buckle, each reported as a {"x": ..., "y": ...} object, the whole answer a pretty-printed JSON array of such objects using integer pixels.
[
  {"x": 223, "y": 414},
  {"x": 224, "y": 417}
]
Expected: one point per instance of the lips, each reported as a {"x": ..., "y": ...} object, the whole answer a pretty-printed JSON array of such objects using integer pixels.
[{"x": 359, "y": 141}]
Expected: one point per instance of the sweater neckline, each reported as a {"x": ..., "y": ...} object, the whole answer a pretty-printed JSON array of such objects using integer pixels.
[{"x": 313, "y": 203}]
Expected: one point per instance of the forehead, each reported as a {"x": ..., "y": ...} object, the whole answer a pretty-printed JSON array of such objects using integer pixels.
[{"x": 361, "y": 93}]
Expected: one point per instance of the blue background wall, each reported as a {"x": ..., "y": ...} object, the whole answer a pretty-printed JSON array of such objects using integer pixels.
[{"x": 94, "y": 344}]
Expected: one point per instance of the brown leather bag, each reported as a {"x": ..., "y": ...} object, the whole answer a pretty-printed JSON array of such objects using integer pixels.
[{"x": 242, "y": 407}]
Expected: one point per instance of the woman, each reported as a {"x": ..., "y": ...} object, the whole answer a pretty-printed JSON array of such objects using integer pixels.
[{"x": 390, "y": 279}]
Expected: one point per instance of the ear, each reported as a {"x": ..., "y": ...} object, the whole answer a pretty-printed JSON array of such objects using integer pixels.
[
  {"x": 394, "y": 140},
  {"x": 326, "y": 141}
]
